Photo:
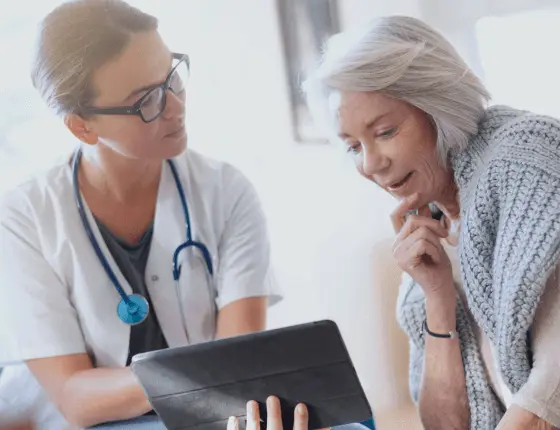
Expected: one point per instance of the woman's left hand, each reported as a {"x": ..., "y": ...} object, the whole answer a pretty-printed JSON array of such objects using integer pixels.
[{"x": 274, "y": 416}]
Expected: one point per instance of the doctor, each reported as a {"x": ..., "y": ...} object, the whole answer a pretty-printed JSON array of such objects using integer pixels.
[{"x": 132, "y": 243}]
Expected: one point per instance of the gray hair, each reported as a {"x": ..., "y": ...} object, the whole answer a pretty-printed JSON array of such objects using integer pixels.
[{"x": 406, "y": 59}]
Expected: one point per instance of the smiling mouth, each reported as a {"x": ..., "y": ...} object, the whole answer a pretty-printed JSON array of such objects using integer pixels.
[{"x": 401, "y": 183}]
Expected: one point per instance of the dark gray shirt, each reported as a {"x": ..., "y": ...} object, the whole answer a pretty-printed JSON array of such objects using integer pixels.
[{"x": 131, "y": 260}]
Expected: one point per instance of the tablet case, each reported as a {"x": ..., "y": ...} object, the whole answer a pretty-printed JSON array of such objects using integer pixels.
[{"x": 200, "y": 386}]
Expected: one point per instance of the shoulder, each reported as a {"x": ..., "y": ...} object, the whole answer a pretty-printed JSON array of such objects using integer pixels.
[
  {"x": 36, "y": 197},
  {"x": 215, "y": 177},
  {"x": 530, "y": 139}
]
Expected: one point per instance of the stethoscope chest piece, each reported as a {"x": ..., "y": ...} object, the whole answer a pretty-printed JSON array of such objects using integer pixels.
[{"x": 134, "y": 310}]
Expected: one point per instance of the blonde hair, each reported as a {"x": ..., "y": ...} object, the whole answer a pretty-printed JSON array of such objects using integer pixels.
[
  {"x": 406, "y": 59},
  {"x": 75, "y": 39}
]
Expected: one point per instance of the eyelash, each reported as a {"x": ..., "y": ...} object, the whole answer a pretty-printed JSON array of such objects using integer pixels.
[
  {"x": 388, "y": 133},
  {"x": 384, "y": 135}
]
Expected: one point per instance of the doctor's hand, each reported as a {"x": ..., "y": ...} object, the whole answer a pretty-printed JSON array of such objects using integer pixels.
[
  {"x": 274, "y": 416},
  {"x": 418, "y": 249}
]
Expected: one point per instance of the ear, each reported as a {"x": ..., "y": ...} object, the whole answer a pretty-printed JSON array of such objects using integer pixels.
[{"x": 79, "y": 128}]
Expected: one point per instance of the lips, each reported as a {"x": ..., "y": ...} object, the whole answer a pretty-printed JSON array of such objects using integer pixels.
[
  {"x": 399, "y": 184},
  {"x": 178, "y": 132}
]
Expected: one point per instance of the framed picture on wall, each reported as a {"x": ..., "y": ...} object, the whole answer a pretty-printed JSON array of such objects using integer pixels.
[{"x": 305, "y": 26}]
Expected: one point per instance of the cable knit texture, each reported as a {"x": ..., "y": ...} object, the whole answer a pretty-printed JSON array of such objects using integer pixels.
[{"x": 509, "y": 191}]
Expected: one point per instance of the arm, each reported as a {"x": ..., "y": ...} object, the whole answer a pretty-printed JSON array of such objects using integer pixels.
[
  {"x": 442, "y": 397},
  {"x": 536, "y": 405},
  {"x": 87, "y": 396},
  {"x": 245, "y": 285},
  {"x": 517, "y": 418},
  {"x": 443, "y": 400},
  {"x": 45, "y": 332},
  {"x": 242, "y": 316}
]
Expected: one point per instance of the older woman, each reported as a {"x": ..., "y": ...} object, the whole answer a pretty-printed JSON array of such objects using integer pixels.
[{"x": 480, "y": 300}]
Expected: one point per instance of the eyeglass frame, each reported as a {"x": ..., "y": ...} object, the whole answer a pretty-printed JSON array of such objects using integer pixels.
[{"x": 135, "y": 109}]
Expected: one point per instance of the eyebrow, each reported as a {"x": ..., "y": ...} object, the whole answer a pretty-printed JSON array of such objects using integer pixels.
[
  {"x": 369, "y": 124},
  {"x": 149, "y": 87}
]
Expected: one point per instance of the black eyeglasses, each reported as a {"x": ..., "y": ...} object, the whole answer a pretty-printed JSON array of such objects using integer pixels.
[{"x": 152, "y": 104}]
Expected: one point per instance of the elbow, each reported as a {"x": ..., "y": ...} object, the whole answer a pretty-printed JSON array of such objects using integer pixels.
[
  {"x": 77, "y": 417},
  {"x": 73, "y": 410},
  {"x": 74, "y": 415}
]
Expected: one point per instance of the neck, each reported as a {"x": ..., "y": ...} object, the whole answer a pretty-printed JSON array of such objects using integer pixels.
[
  {"x": 117, "y": 177},
  {"x": 448, "y": 201}
]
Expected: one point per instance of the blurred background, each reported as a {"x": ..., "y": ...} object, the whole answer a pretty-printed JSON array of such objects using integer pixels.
[{"x": 330, "y": 230}]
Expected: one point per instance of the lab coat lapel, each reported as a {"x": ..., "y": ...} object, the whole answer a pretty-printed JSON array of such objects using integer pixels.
[
  {"x": 107, "y": 254},
  {"x": 169, "y": 233},
  {"x": 110, "y": 339}
]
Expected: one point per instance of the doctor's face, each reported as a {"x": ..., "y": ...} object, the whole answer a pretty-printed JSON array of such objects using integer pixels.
[
  {"x": 393, "y": 144},
  {"x": 121, "y": 82}
]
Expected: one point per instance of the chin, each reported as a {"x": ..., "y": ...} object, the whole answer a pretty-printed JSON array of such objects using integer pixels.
[{"x": 173, "y": 149}]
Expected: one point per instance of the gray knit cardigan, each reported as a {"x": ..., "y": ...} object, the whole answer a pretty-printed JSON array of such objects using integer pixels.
[{"x": 509, "y": 191}]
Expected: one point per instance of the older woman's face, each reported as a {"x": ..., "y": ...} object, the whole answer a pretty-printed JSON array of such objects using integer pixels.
[{"x": 393, "y": 143}]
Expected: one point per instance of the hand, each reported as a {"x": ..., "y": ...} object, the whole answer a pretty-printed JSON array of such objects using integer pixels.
[
  {"x": 418, "y": 250},
  {"x": 274, "y": 416}
]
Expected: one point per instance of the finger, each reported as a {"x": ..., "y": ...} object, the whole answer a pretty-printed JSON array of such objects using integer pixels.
[
  {"x": 301, "y": 417},
  {"x": 273, "y": 414},
  {"x": 418, "y": 252},
  {"x": 253, "y": 417},
  {"x": 402, "y": 250},
  {"x": 415, "y": 223},
  {"x": 398, "y": 217},
  {"x": 233, "y": 423}
]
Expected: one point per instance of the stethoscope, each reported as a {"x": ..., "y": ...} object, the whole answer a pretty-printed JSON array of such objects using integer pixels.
[{"x": 134, "y": 308}]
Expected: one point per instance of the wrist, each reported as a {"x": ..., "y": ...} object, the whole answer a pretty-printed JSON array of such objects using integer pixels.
[
  {"x": 441, "y": 313},
  {"x": 444, "y": 297}
]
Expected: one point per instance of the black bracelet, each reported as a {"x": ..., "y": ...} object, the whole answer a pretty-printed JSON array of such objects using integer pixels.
[{"x": 451, "y": 335}]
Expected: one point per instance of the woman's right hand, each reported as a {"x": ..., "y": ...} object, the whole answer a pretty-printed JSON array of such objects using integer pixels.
[
  {"x": 274, "y": 416},
  {"x": 418, "y": 249}
]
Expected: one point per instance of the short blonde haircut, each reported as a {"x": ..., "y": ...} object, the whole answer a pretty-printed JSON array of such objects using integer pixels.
[
  {"x": 77, "y": 38},
  {"x": 406, "y": 59}
]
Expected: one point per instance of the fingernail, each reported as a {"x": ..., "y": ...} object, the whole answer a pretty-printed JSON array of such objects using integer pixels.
[
  {"x": 300, "y": 409},
  {"x": 252, "y": 409}
]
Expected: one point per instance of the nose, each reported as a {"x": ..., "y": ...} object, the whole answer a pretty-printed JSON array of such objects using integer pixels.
[
  {"x": 174, "y": 106},
  {"x": 373, "y": 161}
]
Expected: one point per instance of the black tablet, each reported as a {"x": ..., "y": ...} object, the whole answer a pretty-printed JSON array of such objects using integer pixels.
[{"x": 200, "y": 386}]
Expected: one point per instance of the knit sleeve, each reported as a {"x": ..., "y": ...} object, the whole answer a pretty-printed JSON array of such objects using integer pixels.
[
  {"x": 485, "y": 410},
  {"x": 528, "y": 233},
  {"x": 411, "y": 313},
  {"x": 541, "y": 393},
  {"x": 511, "y": 239}
]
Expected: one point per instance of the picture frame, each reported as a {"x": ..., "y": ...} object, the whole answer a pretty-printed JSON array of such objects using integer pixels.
[{"x": 305, "y": 26}]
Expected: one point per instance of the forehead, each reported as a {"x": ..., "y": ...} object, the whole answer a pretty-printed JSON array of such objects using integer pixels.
[
  {"x": 353, "y": 104},
  {"x": 354, "y": 110},
  {"x": 145, "y": 61}
]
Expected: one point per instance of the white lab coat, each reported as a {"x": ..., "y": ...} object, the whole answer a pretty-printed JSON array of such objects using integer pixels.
[{"x": 56, "y": 299}]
